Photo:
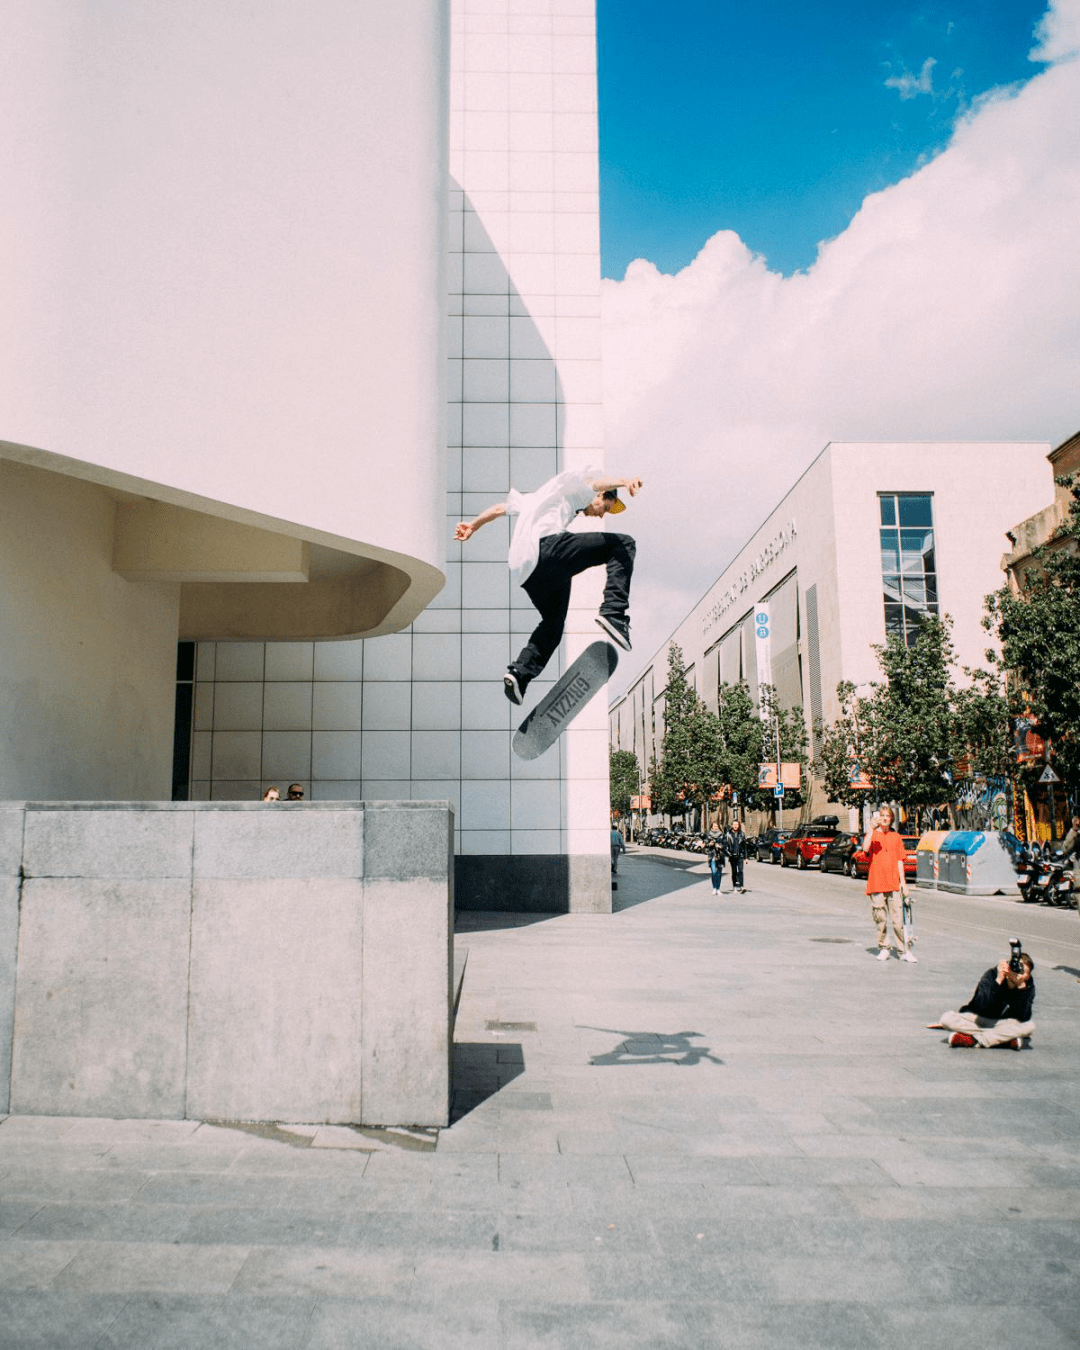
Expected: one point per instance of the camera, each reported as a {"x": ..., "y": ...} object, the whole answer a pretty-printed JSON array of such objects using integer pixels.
[{"x": 1015, "y": 964}]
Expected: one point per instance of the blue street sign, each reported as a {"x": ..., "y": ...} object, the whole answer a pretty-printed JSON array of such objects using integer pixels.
[{"x": 778, "y": 790}]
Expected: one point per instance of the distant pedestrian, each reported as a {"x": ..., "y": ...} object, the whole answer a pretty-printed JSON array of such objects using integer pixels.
[
  {"x": 735, "y": 848},
  {"x": 617, "y": 847},
  {"x": 716, "y": 863},
  {"x": 886, "y": 884}
]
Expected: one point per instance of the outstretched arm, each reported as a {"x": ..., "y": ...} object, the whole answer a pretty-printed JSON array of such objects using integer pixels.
[
  {"x": 632, "y": 485},
  {"x": 467, "y": 528}
]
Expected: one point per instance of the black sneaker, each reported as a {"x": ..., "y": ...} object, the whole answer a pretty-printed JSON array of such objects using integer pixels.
[
  {"x": 513, "y": 687},
  {"x": 618, "y": 629}
]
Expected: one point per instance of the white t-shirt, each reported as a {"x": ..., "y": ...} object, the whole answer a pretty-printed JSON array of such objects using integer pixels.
[{"x": 548, "y": 510}]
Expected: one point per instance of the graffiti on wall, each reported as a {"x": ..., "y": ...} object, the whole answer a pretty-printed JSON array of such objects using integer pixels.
[{"x": 983, "y": 803}]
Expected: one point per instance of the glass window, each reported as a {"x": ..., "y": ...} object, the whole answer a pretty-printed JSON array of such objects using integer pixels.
[
  {"x": 914, "y": 509},
  {"x": 908, "y": 562},
  {"x": 890, "y": 551}
]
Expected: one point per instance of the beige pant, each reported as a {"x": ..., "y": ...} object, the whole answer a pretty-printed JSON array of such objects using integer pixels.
[
  {"x": 886, "y": 905},
  {"x": 986, "y": 1031}
]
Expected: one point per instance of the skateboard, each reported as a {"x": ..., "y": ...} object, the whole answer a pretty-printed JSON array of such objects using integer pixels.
[
  {"x": 557, "y": 709},
  {"x": 908, "y": 912}
]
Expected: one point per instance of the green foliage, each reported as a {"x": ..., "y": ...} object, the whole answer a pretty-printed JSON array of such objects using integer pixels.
[
  {"x": 911, "y": 749},
  {"x": 1039, "y": 632},
  {"x": 624, "y": 776},
  {"x": 915, "y": 732},
  {"x": 845, "y": 745},
  {"x": 794, "y": 747},
  {"x": 740, "y": 736},
  {"x": 689, "y": 770}
]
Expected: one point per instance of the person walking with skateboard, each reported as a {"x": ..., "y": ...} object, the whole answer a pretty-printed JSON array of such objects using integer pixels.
[
  {"x": 886, "y": 883},
  {"x": 545, "y": 557}
]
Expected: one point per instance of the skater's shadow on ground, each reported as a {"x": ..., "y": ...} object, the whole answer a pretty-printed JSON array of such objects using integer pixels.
[
  {"x": 1069, "y": 970},
  {"x": 654, "y": 1047},
  {"x": 480, "y": 1070}
]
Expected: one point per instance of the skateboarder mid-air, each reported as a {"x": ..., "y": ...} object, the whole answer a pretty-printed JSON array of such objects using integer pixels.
[{"x": 545, "y": 557}]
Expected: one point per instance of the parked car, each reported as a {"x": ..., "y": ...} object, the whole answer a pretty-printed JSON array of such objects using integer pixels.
[
  {"x": 808, "y": 842},
  {"x": 859, "y": 865},
  {"x": 837, "y": 857},
  {"x": 767, "y": 848}
]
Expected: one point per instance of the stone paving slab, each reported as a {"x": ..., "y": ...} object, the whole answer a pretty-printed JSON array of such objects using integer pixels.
[{"x": 698, "y": 1122}]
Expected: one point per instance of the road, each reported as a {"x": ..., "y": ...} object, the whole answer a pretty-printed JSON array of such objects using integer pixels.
[{"x": 1054, "y": 933}]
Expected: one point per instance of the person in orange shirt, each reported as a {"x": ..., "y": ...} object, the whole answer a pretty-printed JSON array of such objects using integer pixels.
[{"x": 885, "y": 884}]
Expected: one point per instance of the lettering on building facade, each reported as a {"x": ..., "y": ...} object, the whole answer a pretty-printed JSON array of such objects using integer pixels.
[{"x": 764, "y": 559}]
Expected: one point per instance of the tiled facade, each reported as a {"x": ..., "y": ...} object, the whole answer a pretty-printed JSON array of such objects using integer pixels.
[{"x": 421, "y": 714}]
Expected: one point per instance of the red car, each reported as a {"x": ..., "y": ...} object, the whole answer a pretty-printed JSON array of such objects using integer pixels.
[
  {"x": 859, "y": 865},
  {"x": 807, "y": 843}
]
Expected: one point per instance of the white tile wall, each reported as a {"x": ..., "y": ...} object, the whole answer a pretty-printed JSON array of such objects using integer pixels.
[{"x": 422, "y": 713}]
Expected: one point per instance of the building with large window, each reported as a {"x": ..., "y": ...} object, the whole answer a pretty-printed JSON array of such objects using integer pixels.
[
  {"x": 289, "y": 295},
  {"x": 871, "y": 537}
]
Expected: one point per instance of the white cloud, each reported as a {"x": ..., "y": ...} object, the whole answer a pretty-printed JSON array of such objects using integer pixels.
[
  {"x": 947, "y": 310},
  {"x": 910, "y": 85}
]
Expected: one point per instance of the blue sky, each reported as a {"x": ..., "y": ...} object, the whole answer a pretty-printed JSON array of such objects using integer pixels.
[{"x": 776, "y": 120}]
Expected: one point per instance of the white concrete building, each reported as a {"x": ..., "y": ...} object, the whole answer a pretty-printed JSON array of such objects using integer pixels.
[
  {"x": 871, "y": 535},
  {"x": 254, "y": 371}
]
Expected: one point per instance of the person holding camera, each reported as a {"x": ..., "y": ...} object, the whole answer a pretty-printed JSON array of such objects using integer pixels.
[
  {"x": 999, "y": 1011},
  {"x": 886, "y": 884}
]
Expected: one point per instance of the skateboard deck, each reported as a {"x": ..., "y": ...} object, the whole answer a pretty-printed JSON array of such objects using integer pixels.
[
  {"x": 908, "y": 912},
  {"x": 557, "y": 709}
]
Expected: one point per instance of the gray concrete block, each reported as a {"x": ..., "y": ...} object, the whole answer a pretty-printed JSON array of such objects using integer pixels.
[
  {"x": 276, "y": 1026},
  {"x": 408, "y": 839},
  {"x": 9, "y": 940},
  {"x": 590, "y": 883},
  {"x": 285, "y": 842},
  {"x": 11, "y": 840},
  {"x": 107, "y": 843},
  {"x": 101, "y": 999},
  {"x": 407, "y": 991}
]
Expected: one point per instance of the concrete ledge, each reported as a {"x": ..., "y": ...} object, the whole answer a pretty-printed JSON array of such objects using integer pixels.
[
  {"x": 227, "y": 960},
  {"x": 107, "y": 844}
]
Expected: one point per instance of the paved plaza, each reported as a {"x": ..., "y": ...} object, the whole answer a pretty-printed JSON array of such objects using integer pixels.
[{"x": 700, "y": 1122}]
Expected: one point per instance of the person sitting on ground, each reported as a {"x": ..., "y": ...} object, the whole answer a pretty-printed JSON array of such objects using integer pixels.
[{"x": 999, "y": 1011}]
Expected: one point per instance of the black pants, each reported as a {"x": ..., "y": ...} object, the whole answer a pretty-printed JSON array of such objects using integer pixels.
[
  {"x": 562, "y": 557},
  {"x": 737, "y": 873}
]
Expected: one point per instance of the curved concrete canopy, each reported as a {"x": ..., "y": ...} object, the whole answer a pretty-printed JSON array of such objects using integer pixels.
[{"x": 244, "y": 576}]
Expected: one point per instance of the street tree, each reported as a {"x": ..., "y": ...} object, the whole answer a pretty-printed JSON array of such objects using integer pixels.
[
  {"x": 740, "y": 734},
  {"x": 1039, "y": 633},
  {"x": 625, "y": 778},
  {"x": 688, "y": 772},
  {"x": 845, "y": 746},
  {"x": 794, "y": 747},
  {"x": 911, "y": 753}
]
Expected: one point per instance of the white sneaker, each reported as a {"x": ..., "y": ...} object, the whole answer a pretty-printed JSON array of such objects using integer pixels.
[
  {"x": 908, "y": 956},
  {"x": 884, "y": 953}
]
